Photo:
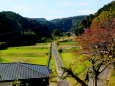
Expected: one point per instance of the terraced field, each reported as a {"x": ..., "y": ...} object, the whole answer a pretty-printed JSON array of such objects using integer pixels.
[
  {"x": 36, "y": 54},
  {"x": 67, "y": 52},
  {"x": 71, "y": 59}
]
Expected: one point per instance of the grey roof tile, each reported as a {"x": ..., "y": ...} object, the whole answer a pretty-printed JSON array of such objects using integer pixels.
[{"x": 13, "y": 71}]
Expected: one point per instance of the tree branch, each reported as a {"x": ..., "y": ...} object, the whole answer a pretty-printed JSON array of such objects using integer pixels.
[
  {"x": 105, "y": 67},
  {"x": 100, "y": 65}
]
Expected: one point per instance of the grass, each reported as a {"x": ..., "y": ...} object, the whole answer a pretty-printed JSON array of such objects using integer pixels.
[
  {"x": 80, "y": 70},
  {"x": 35, "y": 54},
  {"x": 112, "y": 79},
  {"x": 68, "y": 43},
  {"x": 53, "y": 75},
  {"x": 73, "y": 81},
  {"x": 53, "y": 64},
  {"x": 69, "y": 58},
  {"x": 79, "y": 66}
]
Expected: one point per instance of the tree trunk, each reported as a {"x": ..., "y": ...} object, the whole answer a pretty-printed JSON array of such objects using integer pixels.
[{"x": 96, "y": 80}]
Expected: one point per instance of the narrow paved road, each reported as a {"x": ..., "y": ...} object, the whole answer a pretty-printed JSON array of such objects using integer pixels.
[
  {"x": 59, "y": 64},
  {"x": 58, "y": 61}
]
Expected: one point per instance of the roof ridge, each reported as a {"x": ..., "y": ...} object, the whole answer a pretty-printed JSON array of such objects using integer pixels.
[
  {"x": 32, "y": 64},
  {"x": 21, "y": 64}
]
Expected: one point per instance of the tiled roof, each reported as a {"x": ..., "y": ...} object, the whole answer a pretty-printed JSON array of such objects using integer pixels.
[{"x": 13, "y": 71}]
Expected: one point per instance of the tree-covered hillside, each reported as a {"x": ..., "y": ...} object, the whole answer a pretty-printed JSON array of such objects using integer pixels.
[
  {"x": 51, "y": 26},
  {"x": 13, "y": 28},
  {"x": 108, "y": 7},
  {"x": 16, "y": 30},
  {"x": 63, "y": 24},
  {"x": 108, "y": 11},
  {"x": 67, "y": 24}
]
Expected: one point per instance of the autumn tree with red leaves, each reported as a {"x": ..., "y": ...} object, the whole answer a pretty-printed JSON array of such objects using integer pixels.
[{"x": 98, "y": 45}]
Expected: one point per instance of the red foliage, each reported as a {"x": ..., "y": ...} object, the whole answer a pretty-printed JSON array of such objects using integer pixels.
[
  {"x": 98, "y": 45},
  {"x": 100, "y": 37}
]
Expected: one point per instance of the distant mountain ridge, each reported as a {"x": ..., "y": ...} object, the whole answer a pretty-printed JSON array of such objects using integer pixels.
[
  {"x": 39, "y": 19},
  {"x": 55, "y": 20},
  {"x": 62, "y": 24}
]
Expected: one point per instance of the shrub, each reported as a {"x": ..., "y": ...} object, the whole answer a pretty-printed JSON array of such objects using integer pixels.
[
  {"x": 29, "y": 37},
  {"x": 44, "y": 39},
  {"x": 58, "y": 43},
  {"x": 60, "y": 50},
  {"x": 3, "y": 45}
]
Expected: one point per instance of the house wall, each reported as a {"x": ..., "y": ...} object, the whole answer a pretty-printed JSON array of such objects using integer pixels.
[{"x": 6, "y": 83}]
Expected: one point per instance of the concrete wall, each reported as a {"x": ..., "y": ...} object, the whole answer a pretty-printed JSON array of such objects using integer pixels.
[{"x": 5, "y": 83}]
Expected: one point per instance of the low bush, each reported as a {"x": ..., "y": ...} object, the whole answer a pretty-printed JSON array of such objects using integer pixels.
[
  {"x": 3, "y": 45},
  {"x": 60, "y": 50}
]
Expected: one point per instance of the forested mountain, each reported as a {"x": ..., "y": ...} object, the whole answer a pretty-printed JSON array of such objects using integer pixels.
[
  {"x": 63, "y": 24},
  {"x": 108, "y": 11},
  {"x": 51, "y": 26},
  {"x": 67, "y": 24},
  {"x": 108, "y": 7},
  {"x": 14, "y": 28}
]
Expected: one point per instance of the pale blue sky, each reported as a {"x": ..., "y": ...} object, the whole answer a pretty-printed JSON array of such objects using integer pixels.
[{"x": 51, "y": 9}]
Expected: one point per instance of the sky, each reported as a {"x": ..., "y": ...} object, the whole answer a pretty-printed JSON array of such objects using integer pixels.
[{"x": 51, "y": 9}]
